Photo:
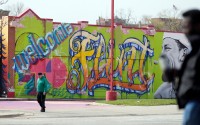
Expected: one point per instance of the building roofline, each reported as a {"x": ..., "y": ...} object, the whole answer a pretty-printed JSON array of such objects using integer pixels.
[{"x": 86, "y": 22}]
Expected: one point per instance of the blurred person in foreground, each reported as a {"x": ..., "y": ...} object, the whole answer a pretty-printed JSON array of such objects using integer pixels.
[
  {"x": 187, "y": 78},
  {"x": 42, "y": 87}
]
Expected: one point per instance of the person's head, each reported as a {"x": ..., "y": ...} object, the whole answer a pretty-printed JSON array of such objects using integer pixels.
[
  {"x": 174, "y": 51},
  {"x": 40, "y": 75},
  {"x": 191, "y": 23}
]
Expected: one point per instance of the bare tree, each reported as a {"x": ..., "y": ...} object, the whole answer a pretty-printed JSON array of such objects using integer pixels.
[
  {"x": 126, "y": 16},
  {"x": 172, "y": 19},
  {"x": 146, "y": 20},
  {"x": 3, "y": 2},
  {"x": 168, "y": 20},
  {"x": 16, "y": 9},
  {"x": 159, "y": 24}
]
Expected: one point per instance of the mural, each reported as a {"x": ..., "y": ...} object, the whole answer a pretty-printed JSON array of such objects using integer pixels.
[
  {"x": 175, "y": 47},
  {"x": 86, "y": 47},
  {"x": 3, "y": 65},
  {"x": 75, "y": 59},
  {"x": 41, "y": 48}
]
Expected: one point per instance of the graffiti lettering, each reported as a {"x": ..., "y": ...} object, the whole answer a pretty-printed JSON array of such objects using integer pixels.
[
  {"x": 88, "y": 47},
  {"x": 36, "y": 51}
]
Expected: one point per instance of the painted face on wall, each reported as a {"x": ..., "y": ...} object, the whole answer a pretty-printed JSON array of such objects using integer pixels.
[
  {"x": 174, "y": 51},
  {"x": 173, "y": 55}
]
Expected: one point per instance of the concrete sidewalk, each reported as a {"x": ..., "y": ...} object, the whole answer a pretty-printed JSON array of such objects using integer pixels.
[
  {"x": 48, "y": 99},
  {"x": 87, "y": 113}
]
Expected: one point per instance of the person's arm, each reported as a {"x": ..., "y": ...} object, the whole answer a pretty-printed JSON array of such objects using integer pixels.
[
  {"x": 37, "y": 85},
  {"x": 193, "y": 78},
  {"x": 45, "y": 86}
]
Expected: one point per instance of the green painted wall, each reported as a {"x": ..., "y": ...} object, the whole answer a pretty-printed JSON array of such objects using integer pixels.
[{"x": 89, "y": 78}]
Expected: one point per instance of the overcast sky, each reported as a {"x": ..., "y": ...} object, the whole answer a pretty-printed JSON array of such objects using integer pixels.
[{"x": 89, "y": 10}]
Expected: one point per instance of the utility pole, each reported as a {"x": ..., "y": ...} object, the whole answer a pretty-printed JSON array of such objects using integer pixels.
[{"x": 111, "y": 95}]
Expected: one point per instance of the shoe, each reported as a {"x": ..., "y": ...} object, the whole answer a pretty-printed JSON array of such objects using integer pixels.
[{"x": 42, "y": 110}]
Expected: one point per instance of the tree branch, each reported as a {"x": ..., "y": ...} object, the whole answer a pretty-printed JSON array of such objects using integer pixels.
[{"x": 3, "y": 2}]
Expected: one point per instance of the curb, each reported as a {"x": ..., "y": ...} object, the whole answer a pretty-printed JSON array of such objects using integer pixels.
[
  {"x": 9, "y": 115},
  {"x": 56, "y": 99},
  {"x": 101, "y": 104}
]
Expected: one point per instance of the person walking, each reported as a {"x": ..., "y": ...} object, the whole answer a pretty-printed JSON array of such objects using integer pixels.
[
  {"x": 42, "y": 85},
  {"x": 187, "y": 78}
]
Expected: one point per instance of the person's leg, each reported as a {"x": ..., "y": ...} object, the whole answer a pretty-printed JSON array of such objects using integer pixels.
[
  {"x": 39, "y": 98},
  {"x": 192, "y": 113},
  {"x": 43, "y": 102}
]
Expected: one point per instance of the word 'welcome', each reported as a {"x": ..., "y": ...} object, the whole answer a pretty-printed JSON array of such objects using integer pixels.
[{"x": 41, "y": 48}]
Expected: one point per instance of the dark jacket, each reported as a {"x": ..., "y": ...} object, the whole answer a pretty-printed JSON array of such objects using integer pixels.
[{"x": 188, "y": 83}]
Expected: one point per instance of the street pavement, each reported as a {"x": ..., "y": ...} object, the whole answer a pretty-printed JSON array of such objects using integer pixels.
[{"x": 86, "y": 113}]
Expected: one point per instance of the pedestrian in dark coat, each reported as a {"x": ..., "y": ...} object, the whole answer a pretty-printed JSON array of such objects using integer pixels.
[{"x": 187, "y": 78}]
